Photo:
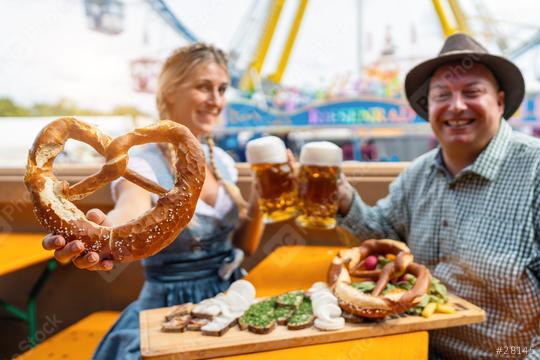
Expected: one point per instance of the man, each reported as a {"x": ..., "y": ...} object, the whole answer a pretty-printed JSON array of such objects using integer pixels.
[{"x": 469, "y": 209}]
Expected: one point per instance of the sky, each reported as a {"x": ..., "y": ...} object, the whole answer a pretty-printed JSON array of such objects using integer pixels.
[{"x": 48, "y": 51}]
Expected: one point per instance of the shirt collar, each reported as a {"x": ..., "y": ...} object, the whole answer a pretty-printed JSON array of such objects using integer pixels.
[
  {"x": 438, "y": 163},
  {"x": 488, "y": 163}
]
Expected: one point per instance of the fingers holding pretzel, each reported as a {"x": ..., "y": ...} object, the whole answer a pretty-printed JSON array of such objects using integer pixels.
[
  {"x": 134, "y": 240},
  {"x": 71, "y": 252}
]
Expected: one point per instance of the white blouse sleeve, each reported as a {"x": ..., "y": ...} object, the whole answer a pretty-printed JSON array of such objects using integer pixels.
[
  {"x": 229, "y": 162},
  {"x": 141, "y": 167}
]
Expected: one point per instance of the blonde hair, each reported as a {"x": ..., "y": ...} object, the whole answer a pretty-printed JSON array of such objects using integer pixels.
[{"x": 175, "y": 70}]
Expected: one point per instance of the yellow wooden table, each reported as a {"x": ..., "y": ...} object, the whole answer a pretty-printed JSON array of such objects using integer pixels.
[
  {"x": 298, "y": 267},
  {"x": 19, "y": 251},
  {"x": 290, "y": 268}
]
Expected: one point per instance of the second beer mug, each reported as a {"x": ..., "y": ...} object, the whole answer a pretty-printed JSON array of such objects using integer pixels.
[
  {"x": 317, "y": 184},
  {"x": 274, "y": 177}
]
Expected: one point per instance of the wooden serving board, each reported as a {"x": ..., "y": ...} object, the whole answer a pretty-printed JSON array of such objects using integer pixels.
[{"x": 193, "y": 345}]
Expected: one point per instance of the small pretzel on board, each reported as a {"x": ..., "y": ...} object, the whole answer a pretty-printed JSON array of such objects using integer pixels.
[
  {"x": 140, "y": 237},
  {"x": 350, "y": 262}
]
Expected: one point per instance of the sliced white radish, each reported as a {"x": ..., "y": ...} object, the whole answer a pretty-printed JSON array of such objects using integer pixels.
[
  {"x": 220, "y": 296},
  {"x": 318, "y": 296},
  {"x": 213, "y": 310},
  {"x": 205, "y": 302},
  {"x": 219, "y": 300},
  {"x": 312, "y": 291},
  {"x": 328, "y": 312},
  {"x": 236, "y": 301},
  {"x": 335, "y": 324},
  {"x": 227, "y": 312},
  {"x": 199, "y": 308},
  {"x": 236, "y": 314},
  {"x": 319, "y": 292},
  {"x": 224, "y": 319},
  {"x": 223, "y": 306},
  {"x": 325, "y": 299},
  {"x": 319, "y": 285},
  {"x": 202, "y": 306},
  {"x": 214, "y": 326},
  {"x": 244, "y": 288}
]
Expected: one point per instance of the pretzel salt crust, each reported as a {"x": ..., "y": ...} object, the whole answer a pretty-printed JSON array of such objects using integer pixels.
[
  {"x": 350, "y": 262},
  {"x": 139, "y": 238}
]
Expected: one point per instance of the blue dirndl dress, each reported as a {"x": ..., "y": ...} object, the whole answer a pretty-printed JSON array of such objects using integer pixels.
[{"x": 191, "y": 269}]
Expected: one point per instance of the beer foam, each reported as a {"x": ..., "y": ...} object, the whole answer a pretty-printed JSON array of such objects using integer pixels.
[
  {"x": 321, "y": 153},
  {"x": 266, "y": 150}
]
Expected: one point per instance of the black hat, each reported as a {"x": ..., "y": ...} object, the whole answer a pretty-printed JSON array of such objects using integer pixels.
[{"x": 463, "y": 48}]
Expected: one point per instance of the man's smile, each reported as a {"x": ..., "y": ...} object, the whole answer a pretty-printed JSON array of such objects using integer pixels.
[{"x": 458, "y": 123}]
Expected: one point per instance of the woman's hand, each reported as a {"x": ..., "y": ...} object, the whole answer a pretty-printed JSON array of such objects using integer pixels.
[{"x": 64, "y": 253}]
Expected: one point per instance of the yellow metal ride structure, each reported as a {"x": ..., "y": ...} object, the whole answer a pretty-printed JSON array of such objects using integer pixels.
[
  {"x": 252, "y": 74},
  {"x": 451, "y": 21}
]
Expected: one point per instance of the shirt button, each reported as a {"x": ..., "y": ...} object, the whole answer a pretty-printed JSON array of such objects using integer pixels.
[{"x": 444, "y": 223}]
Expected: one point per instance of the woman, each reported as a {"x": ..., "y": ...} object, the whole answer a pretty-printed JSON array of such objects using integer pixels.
[{"x": 202, "y": 261}]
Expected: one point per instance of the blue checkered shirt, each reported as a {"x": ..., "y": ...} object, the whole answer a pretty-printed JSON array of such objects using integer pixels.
[{"x": 479, "y": 233}]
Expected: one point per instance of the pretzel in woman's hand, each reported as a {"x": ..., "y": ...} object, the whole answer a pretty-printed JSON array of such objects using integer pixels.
[
  {"x": 352, "y": 262},
  {"x": 139, "y": 238}
]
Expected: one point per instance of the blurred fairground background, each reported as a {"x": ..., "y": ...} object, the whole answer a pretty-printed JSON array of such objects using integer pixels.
[{"x": 301, "y": 69}]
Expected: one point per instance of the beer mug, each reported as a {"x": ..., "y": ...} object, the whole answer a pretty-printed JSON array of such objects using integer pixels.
[
  {"x": 317, "y": 185},
  {"x": 274, "y": 178}
]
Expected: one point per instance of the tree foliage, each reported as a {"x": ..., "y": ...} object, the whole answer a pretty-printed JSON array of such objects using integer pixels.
[
  {"x": 9, "y": 108},
  {"x": 63, "y": 107}
]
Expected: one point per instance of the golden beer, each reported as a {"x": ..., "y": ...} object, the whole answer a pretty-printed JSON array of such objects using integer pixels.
[
  {"x": 277, "y": 191},
  {"x": 317, "y": 185},
  {"x": 274, "y": 178}
]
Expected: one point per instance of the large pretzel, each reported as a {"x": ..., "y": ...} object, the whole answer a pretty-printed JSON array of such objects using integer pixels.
[
  {"x": 139, "y": 238},
  {"x": 350, "y": 262}
]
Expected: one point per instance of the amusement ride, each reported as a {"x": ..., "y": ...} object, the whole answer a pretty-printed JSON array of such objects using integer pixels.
[{"x": 372, "y": 104}]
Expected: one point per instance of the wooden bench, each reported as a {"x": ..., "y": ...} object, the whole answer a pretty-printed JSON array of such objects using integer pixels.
[{"x": 77, "y": 341}]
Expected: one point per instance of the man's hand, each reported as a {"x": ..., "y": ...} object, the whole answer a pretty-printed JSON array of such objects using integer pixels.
[{"x": 345, "y": 195}]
